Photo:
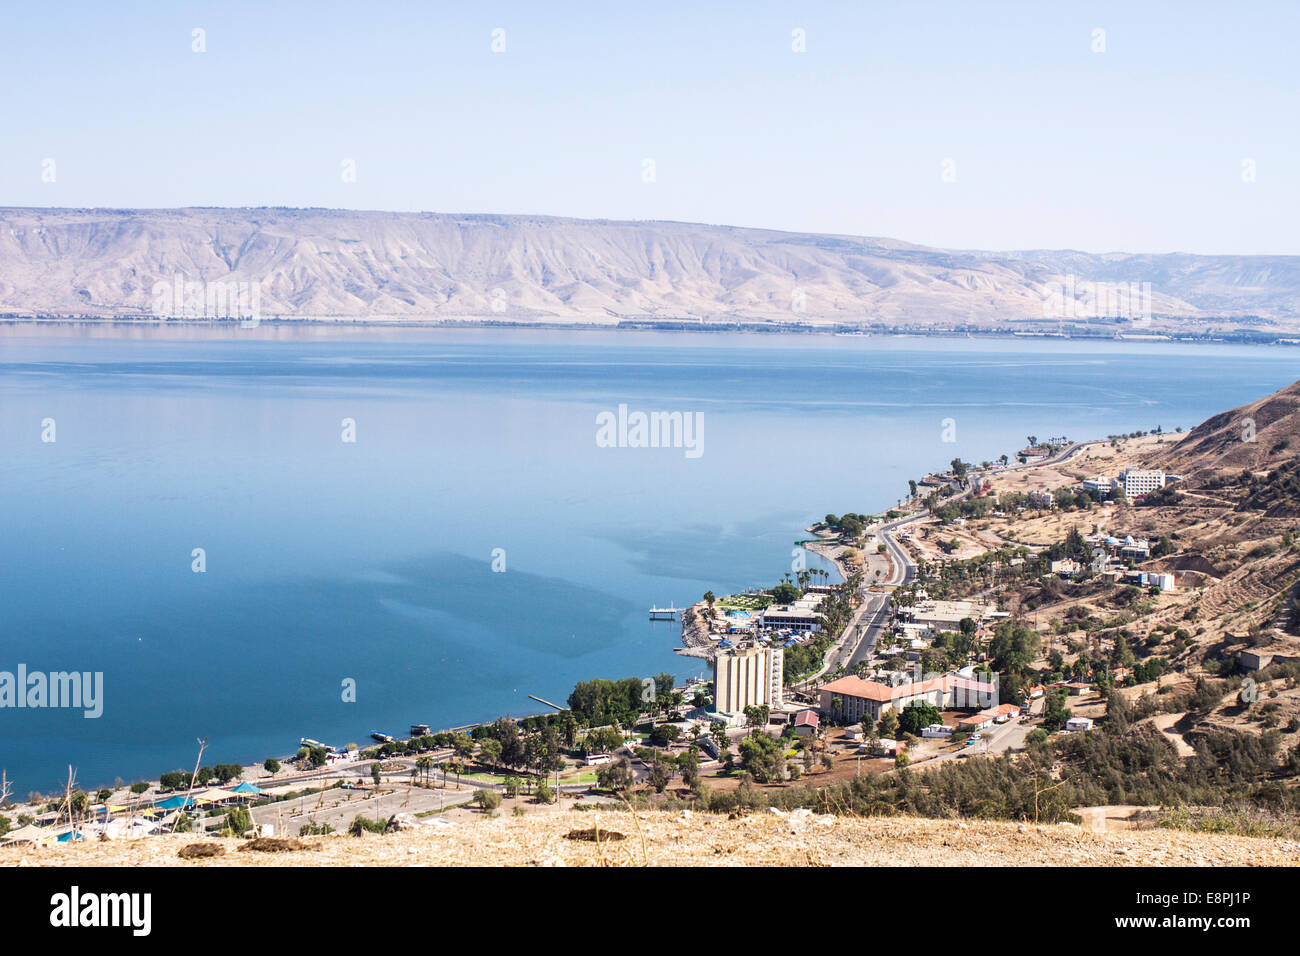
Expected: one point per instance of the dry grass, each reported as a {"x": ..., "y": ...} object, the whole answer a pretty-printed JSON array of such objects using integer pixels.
[{"x": 759, "y": 839}]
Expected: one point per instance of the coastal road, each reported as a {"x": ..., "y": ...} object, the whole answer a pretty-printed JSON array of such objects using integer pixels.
[{"x": 861, "y": 633}]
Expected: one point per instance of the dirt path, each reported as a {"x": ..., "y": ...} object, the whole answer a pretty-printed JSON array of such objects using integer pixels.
[{"x": 1165, "y": 723}]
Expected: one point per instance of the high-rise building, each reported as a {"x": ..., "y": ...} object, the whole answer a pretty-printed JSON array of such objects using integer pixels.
[{"x": 748, "y": 676}]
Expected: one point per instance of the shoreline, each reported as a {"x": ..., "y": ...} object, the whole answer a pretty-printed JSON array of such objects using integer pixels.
[{"x": 752, "y": 326}]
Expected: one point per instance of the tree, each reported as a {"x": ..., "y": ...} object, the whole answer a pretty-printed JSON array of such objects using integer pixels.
[
  {"x": 238, "y": 821},
  {"x": 425, "y": 764},
  {"x": 615, "y": 775},
  {"x": 917, "y": 716},
  {"x": 764, "y": 757},
  {"x": 786, "y": 593},
  {"x": 887, "y": 726},
  {"x": 489, "y": 800},
  {"x": 660, "y": 773},
  {"x": 376, "y": 773},
  {"x": 1055, "y": 713},
  {"x": 271, "y": 766},
  {"x": 489, "y": 752},
  {"x": 664, "y": 734}
]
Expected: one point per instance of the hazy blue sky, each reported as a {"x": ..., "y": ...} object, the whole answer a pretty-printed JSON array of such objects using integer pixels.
[{"x": 1137, "y": 148}]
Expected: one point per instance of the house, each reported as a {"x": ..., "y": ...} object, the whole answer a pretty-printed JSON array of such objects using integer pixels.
[
  {"x": 979, "y": 721},
  {"x": 1041, "y": 499},
  {"x": 888, "y": 748},
  {"x": 937, "y": 730},
  {"x": 1100, "y": 485},
  {"x": 1254, "y": 660},
  {"x": 1079, "y": 723},
  {"x": 858, "y": 698},
  {"x": 1004, "y": 712},
  {"x": 1067, "y": 568},
  {"x": 806, "y": 723}
]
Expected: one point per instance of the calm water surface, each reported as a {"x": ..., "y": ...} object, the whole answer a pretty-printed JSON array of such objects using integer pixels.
[{"x": 372, "y": 560}]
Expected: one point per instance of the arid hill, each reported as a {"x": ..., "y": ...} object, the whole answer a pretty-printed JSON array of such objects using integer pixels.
[
  {"x": 351, "y": 265},
  {"x": 1258, "y": 436}
]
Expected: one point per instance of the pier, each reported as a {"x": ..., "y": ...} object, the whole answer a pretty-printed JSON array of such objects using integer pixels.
[{"x": 663, "y": 613}]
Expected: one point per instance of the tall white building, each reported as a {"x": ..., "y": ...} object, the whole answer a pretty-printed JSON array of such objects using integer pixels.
[
  {"x": 1138, "y": 481},
  {"x": 748, "y": 676}
]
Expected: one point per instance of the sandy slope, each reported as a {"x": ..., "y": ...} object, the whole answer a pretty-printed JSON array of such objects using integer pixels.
[{"x": 713, "y": 840}]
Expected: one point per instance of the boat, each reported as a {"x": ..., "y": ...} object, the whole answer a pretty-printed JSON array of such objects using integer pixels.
[{"x": 382, "y": 738}]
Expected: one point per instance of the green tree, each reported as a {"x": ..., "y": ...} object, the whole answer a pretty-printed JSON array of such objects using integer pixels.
[
  {"x": 917, "y": 716},
  {"x": 763, "y": 757}
]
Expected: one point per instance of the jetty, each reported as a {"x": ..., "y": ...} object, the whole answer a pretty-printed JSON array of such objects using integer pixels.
[{"x": 663, "y": 613}]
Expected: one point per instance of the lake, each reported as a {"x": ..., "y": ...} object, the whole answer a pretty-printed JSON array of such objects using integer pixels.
[{"x": 371, "y": 560}]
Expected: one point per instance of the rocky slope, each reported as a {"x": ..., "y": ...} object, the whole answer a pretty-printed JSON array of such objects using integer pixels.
[
  {"x": 338, "y": 264},
  {"x": 1257, "y": 436}
]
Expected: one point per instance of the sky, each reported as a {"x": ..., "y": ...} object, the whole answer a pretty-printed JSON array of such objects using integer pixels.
[{"x": 999, "y": 125}]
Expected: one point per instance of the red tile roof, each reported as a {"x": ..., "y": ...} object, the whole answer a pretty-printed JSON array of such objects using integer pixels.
[{"x": 870, "y": 690}]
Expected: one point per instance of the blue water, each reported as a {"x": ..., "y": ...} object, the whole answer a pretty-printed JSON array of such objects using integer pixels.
[{"x": 372, "y": 560}]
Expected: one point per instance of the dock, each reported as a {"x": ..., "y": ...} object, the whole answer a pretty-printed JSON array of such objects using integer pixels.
[{"x": 663, "y": 613}]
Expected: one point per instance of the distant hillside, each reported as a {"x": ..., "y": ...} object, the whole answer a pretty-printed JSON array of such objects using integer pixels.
[
  {"x": 344, "y": 265},
  {"x": 1261, "y": 435}
]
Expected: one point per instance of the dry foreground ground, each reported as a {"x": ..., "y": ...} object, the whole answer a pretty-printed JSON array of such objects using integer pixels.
[{"x": 694, "y": 839}]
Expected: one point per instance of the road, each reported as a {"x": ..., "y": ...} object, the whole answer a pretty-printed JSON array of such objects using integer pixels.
[
  {"x": 858, "y": 642},
  {"x": 858, "y": 639}
]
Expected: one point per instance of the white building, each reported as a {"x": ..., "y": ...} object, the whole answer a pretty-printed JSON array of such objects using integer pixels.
[
  {"x": 800, "y": 616},
  {"x": 1138, "y": 481},
  {"x": 1162, "y": 580},
  {"x": 748, "y": 676},
  {"x": 1101, "y": 485}
]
